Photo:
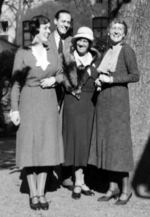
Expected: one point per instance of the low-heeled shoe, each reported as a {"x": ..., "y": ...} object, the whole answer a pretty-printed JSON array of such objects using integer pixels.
[
  {"x": 115, "y": 195},
  {"x": 34, "y": 206},
  {"x": 87, "y": 192},
  {"x": 75, "y": 195},
  {"x": 123, "y": 202},
  {"x": 44, "y": 205}
]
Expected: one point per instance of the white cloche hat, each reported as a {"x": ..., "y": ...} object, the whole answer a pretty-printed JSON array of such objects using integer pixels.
[{"x": 84, "y": 32}]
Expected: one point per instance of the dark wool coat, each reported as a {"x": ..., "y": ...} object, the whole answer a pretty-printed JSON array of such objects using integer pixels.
[
  {"x": 59, "y": 77},
  {"x": 39, "y": 137},
  {"x": 111, "y": 146},
  {"x": 78, "y": 110}
]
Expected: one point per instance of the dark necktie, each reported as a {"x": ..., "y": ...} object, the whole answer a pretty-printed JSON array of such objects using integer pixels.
[
  {"x": 60, "y": 46},
  {"x": 59, "y": 88}
]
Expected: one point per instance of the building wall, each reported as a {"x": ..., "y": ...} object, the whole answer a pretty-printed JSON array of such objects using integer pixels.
[{"x": 82, "y": 12}]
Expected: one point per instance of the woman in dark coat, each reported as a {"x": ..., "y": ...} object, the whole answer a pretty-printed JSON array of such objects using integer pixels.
[
  {"x": 111, "y": 146},
  {"x": 35, "y": 110},
  {"x": 79, "y": 105}
]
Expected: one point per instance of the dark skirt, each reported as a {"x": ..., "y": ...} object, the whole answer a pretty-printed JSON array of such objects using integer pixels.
[
  {"x": 111, "y": 145},
  {"x": 77, "y": 128}
]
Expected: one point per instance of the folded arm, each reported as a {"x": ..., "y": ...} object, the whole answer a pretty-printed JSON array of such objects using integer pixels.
[{"x": 132, "y": 68}]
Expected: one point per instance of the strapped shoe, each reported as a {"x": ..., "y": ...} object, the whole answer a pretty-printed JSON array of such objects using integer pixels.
[
  {"x": 75, "y": 195},
  {"x": 114, "y": 194},
  {"x": 34, "y": 206},
  {"x": 44, "y": 205},
  {"x": 87, "y": 192},
  {"x": 124, "y": 202}
]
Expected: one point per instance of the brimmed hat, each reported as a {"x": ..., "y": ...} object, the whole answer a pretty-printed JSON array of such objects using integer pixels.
[{"x": 84, "y": 32}]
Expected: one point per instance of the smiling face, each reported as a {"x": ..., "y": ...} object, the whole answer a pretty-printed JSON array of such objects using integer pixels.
[
  {"x": 44, "y": 32},
  {"x": 63, "y": 23},
  {"x": 82, "y": 46},
  {"x": 116, "y": 33}
]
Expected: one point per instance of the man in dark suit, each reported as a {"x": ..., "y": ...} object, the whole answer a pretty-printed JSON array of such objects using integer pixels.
[{"x": 60, "y": 39}]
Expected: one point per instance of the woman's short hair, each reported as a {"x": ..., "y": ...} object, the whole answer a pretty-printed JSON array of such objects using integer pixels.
[
  {"x": 120, "y": 21},
  {"x": 35, "y": 22}
]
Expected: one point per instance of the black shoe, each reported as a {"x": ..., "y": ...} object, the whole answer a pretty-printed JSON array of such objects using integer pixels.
[
  {"x": 44, "y": 205},
  {"x": 115, "y": 195},
  {"x": 87, "y": 192},
  {"x": 34, "y": 206},
  {"x": 123, "y": 202},
  {"x": 75, "y": 195}
]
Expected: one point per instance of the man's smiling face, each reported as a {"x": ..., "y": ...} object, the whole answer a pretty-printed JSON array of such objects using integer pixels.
[{"x": 63, "y": 23}]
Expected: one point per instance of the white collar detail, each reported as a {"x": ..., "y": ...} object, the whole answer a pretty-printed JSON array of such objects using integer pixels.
[
  {"x": 83, "y": 60},
  {"x": 41, "y": 59}
]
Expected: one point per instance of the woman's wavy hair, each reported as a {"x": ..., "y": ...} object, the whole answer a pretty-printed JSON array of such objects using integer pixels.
[
  {"x": 120, "y": 21},
  {"x": 35, "y": 22}
]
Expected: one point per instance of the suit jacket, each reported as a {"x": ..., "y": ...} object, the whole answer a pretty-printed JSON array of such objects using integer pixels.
[
  {"x": 59, "y": 76},
  {"x": 53, "y": 42}
]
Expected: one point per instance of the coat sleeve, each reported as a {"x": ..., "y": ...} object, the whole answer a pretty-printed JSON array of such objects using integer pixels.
[
  {"x": 60, "y": 75},
  {"x": 16, "y": 86},
  {"x": 132, "y": 74},
  {"x": 59, "y": 72}
]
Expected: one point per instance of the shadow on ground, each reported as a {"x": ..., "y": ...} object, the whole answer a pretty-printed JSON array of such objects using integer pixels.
[
  {"x": 141, "y": 178},
  {"x": 7, "y": 153},
  {"x": 95, "y": 178}
]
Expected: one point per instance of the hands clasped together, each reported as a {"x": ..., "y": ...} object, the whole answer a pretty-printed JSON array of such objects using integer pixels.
[
  {"x": 103, "y": 79},
  {"x": 48, "y": 82}
]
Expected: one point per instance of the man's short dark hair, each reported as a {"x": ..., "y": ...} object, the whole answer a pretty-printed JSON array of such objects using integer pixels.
[{"x": 61, "y": 12}]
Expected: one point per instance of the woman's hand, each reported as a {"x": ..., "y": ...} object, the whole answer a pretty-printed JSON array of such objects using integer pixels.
[
  {"x": 15, "y": 118},
  {"x": 106, "y": 79},
  {"x": 48, "y": 82},
  {"x": 98, "y": 83},
  {"x": 98, "y": 70}
]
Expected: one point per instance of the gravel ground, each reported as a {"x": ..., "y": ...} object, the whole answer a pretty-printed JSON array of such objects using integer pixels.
[{"x": 15, "y": 204}]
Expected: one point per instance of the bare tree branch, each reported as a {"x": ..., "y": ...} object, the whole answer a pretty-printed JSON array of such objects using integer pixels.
[{"x": 1, "y": 3}]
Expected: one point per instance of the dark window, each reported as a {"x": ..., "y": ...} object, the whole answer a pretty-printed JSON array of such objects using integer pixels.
[
  {"x": 100, "y": 25},
  {"x": 99, "y": 1},
  {"x": 4, "y": 26},
  {"x": 26, "y": 36}
]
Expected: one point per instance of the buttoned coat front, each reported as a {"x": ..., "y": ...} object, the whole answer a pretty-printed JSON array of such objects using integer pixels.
[
  {"x": 111, "y": 146},
  {"x": 39, "y": 138}
]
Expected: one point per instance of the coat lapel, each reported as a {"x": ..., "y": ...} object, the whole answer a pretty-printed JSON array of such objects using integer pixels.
[
  {"x": 67, "y": 43},
  {"x": 52, "y": 42}
]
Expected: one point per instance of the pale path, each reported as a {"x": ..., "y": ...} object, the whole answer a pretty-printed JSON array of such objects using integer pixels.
[{"x": 15, "y": 204}]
